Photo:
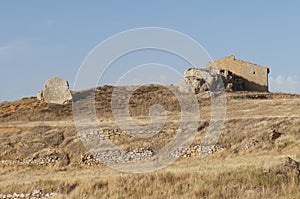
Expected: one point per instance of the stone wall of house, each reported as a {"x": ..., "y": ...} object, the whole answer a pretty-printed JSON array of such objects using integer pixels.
[{"x": 256, "y": 76}]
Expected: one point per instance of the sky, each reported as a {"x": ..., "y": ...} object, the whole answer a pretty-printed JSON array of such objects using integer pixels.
[{"x": 44, "y": 39}]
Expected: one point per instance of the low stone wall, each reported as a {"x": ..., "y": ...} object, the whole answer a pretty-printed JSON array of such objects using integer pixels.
[
  {"x": 114, "y": 157},
  {"x": 35, "y": 194},
  {"x": 43, "y": 160}
]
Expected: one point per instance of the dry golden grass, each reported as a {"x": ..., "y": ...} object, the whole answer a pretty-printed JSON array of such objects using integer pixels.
[
  {"x": 31, "y": 127},
  {"x": 207, "y": 177}
]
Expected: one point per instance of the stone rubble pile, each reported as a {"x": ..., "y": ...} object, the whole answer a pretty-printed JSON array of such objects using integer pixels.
[
  {"x": 252, "y": 142},
  {"x": 291, "y": 165},
  {"x": 208, "y": 79},
  {"x": 288, "y": 170},
  {"x": 114, "y": 157},
  {"x": 43, "y": 160},
  {"x": 34, "y": 195},
  {"x": 196, "y": 150},
  {"x": 110, "y": 156},
  {"x": 187, "y": 152}
]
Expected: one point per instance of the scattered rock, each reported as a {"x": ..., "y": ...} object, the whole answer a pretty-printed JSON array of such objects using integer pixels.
[
  {"x": 252, "y": 142},
  {"x": 289, "y": 170},
  {"x": 35, "y": 194},
  {"x": 40, "y": 95},
  {"x": 49, "y": 157},
  {"x": 282, "y": 176},
  {"x": 274, "y": 135},
  {"x": 67, "y": 188},
  {"x": 291, "y": 164}
]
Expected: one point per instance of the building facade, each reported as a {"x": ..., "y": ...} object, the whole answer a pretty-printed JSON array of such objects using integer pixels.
[{"x": 255, "y": 76}]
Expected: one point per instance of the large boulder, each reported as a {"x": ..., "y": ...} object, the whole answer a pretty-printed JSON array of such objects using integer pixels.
[{"x": 56, "y": 90}]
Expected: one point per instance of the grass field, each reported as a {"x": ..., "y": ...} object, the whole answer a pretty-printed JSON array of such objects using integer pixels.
[{"x": 249, "y": 164}]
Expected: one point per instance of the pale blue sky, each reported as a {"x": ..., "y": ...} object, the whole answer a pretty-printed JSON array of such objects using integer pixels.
[{"x": 42, "y": 39}]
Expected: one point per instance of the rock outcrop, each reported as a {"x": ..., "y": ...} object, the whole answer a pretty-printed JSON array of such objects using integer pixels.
[
  {"x": 56, "y": 91},
  {"x": 209, "y": 79}
]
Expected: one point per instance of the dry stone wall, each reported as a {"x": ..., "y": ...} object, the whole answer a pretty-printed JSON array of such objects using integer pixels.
[{"x": 35, "y": 194}]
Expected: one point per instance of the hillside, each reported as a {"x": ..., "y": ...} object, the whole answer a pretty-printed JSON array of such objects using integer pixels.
[{"x": 40, "y": 148}]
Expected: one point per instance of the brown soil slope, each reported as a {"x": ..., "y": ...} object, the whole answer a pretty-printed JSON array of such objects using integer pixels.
[
  {"x": 257, "y": 125},
  {"x": 29, "y": 126}
]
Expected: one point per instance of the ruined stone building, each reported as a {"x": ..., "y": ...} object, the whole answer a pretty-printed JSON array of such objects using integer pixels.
[
  {"x": 255, "y": 76},
  {"x": 229, "y": 73}
]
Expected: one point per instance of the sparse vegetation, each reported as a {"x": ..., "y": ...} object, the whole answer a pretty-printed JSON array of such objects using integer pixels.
[{"x": 248, "y": 166}]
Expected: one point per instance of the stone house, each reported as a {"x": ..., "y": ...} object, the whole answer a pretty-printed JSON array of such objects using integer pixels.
[{"x": 255, "y": 76}]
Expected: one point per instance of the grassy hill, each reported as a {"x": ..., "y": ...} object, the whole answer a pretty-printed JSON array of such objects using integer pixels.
[{"x": 40, "y": 148}]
